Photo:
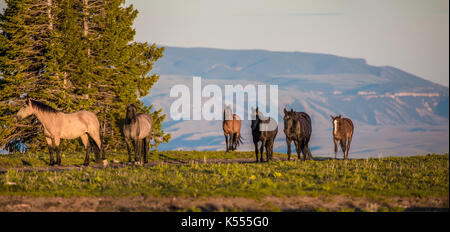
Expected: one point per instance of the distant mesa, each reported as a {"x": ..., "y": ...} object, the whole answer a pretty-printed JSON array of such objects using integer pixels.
[{"x": 386, "y": 98}]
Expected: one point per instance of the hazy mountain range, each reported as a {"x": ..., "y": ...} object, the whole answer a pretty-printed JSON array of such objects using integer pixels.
[{"x": 394, "y": 112}]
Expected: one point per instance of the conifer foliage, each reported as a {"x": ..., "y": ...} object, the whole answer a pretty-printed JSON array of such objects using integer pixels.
[{"x": 73, "y": 55}]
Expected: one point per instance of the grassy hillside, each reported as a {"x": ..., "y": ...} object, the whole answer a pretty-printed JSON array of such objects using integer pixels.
[{"x": 416, "y": 176}]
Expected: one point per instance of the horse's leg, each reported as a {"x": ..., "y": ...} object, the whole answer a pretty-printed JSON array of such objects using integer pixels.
[
  {"x": 269, "y": 149},
  {"x": 343, "y": 142},
  {"x": 306, "y": 151},
  {"x": 127, "y": 141},
  {"x": 236, "y": 141},
  {"x": 96, "y": 152},
  {"x": 85, "y": 140},
  {"x": 137, "y": 149},
  {"x": 301, "y": 145},
  {"x": 309, "y": 152},
  {"x": 297, "y": 149},
  {"x": 50, "y": 150},
  {"x": 226, "y": 141},
  {"x": 335, "y": 148},
  {"x": 261, "y": 150},
  {"x": 266, "y": 145},
  {"x": 230, "y": 142},
  {"x": 288, "y": 142},
  {"x": 140, "y": 147},
  {"x": 256, "y": 150},
  {"x": 58, "y": 153},
  {"x": 348, "y": 146},
  {"x": 144, "y": 150},
  {"x": 146, "y": 147}
]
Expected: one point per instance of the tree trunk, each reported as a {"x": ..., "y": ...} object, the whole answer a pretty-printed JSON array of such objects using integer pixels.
[
  {"x": 50, "y": 16},
  {"x": 85, "y": 33}
]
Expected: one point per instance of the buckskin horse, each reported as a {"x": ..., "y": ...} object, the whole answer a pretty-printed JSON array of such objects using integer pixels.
[
  {"x": 297, "y": 128},
  {"x": 342, "y": 132},
  {"x": 59, "y": 125},
  {"x": 264, "y": 130},
  {"x": 231, "y": 128}
]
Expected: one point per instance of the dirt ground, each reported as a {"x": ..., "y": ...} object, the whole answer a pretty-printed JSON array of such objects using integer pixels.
[{"x": 140, "y": 203}]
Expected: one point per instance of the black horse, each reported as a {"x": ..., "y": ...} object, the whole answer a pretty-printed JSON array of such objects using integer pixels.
[
  {"x": 297, "y": 127},
  {"x": 264, "y": 130}
]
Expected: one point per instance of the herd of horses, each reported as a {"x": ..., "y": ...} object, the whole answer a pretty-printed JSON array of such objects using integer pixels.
[
  {"x": 137, "y": 129},
  {"x": 297, "y": 128}
]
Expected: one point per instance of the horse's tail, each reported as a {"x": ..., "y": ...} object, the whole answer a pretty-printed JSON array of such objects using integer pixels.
[
  {"x": 97, "y": 149},
  {"x": 240, "y": 139},
  {"x": 237, "y": 140}
]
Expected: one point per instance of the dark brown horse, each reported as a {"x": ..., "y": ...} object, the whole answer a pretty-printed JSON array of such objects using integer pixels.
[
  {"x": 297, "y": 127},
  {"x": 264, "y": 130},
  {"x": 59, "y": 125},
  {"x": 231, "y": 128},
  {"x": 137, "y": 128},
  {"x": 342, "y": 132}
]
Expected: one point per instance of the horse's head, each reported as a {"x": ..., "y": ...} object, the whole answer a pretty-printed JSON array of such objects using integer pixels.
[
  {"x": 336, "y": 121},
  {"x": 26, "y": 111},
  {"x": 256, "y": 120},
  {"x": 289, "y": 117},
  {"x": 131, "y": 113},
  {"x": 228, "y": 113}
]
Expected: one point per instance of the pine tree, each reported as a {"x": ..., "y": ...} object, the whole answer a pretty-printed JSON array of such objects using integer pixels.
[
  {"x": 24, "y": 65},
  {"x": 88, "y": 61}
]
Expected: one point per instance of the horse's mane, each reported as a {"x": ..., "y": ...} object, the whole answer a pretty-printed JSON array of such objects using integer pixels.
[
  {"x": 227, "y": 110},
  {"x": 262, "y": 118},
  {"x": 43, "y": 107}
]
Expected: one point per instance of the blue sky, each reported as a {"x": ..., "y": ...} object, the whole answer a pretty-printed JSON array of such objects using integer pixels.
[{"x": 412, "y": 35}]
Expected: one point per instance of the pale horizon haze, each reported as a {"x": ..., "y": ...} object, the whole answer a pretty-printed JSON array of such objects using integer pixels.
[{"x": 412, "y": 35}]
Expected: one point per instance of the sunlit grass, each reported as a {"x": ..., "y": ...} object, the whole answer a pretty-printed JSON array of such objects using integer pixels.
[
  {"x": 77, "y": 158},
  {"x": 392, "y": 176}
]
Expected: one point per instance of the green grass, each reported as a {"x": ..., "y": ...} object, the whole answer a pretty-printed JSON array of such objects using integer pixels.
[
  {"x": 393, "y": 176},
  {"x": 77, "y": 158}
]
